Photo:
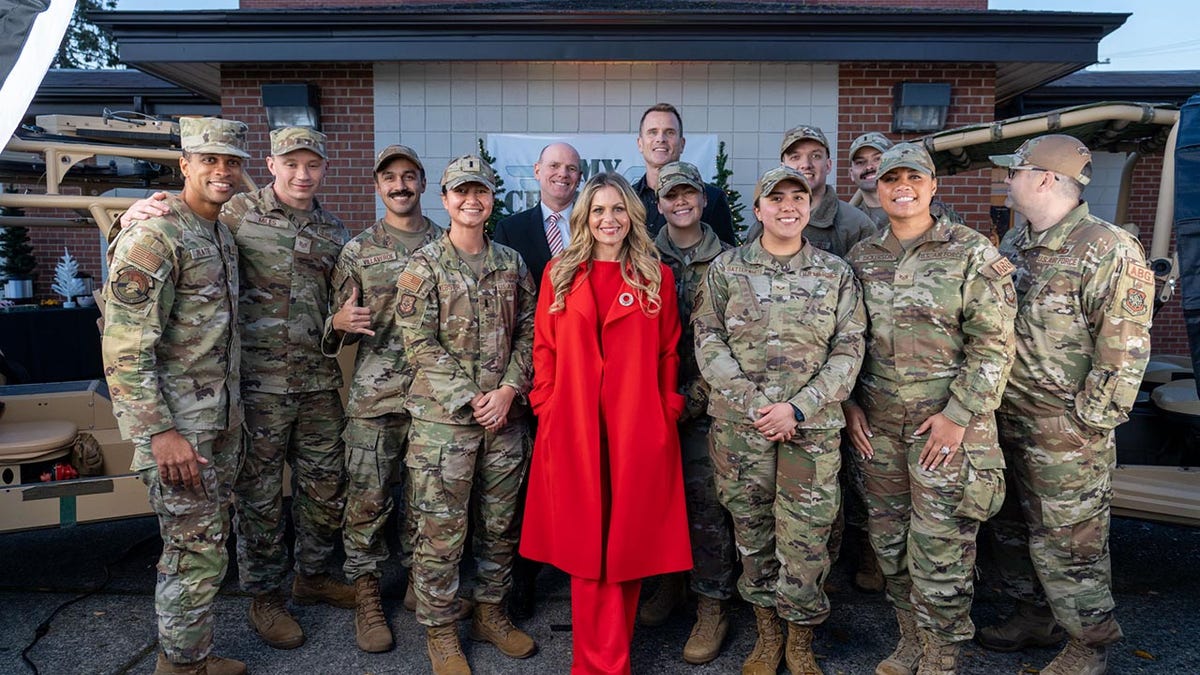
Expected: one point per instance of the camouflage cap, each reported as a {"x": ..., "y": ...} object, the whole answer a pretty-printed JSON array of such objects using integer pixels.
[
  {"x": 773, "y": 177},
  {"x": 871, "y": 139},
  {"x": 906, "y": 155},
  {"x": 799, "y": 133},
  {"x": 391, "y": 152},
  {"x": 289, "y": 139},
  {"x": 1059, "y": 153},
  {"x": 678, "y": 173},
  {"x": 213, "y": 135},
  {"x": 468, "y": 169}
]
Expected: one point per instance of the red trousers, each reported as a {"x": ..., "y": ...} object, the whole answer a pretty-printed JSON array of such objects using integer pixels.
[{"x": 602, "y": 617}]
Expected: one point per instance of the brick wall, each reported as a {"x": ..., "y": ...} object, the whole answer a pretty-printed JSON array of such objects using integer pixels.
[
  {"x": 865, "y": 104},
  {"x": 347, "y": 118},
  {"x": 1169, "y": 335},
  {"x": 334, "y": 4},
  {"x": 48, "y": 242}
]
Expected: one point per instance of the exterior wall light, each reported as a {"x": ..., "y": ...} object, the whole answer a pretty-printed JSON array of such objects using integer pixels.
[
  {"x": 291, "y": 105},
  {"x": 920, "y": 107}
]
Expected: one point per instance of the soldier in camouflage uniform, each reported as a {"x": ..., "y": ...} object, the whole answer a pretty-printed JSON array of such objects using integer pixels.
[
  {"x": 833, "y": 225},
  {"x": 465, "y": 311},
  {"x": 776, "y": 385},
  {"x": 171, "y": 359},
  {"x": 688, "y": 246},
  {"x": 289, "y": 246},
  {"x": 865, "y": 153},
  {"x": 1083, "y": 341},
  {"x": 940, "y": 303},
  {"x": 376, "y": 432}
]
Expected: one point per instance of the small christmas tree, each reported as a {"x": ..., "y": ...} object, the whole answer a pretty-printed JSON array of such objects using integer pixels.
[
  {"x": 65, "y": 282},
  {"x": 721, "y": 180},
  {"x": 17, "y": 253},
  {"x": 500, "y": 209}
]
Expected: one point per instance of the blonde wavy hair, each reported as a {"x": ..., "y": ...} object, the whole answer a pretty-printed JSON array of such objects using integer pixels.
[{"x": 638, "y": 256}]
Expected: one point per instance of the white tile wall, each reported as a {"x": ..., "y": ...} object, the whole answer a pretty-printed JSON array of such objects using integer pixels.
[{"x": 440, "y": 108}]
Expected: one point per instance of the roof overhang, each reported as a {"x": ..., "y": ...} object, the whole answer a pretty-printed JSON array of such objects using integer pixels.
[{"x": 1029, "y": 48}]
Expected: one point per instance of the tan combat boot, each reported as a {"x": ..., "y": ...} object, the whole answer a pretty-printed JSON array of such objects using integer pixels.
[
  {"x": 670, "y": 594},
  {"x": 309, "y": 590},
  {"x": 213, "y": 665},
  {"x": 371, "y": 630},
  {"x": 270, "y": 619},
  {"x": 1029, "y": 626},
  {"x": 1078, "y": 659},
  {"x": 905, "y": 658},
  {"x": 768, "y": 650},
  {"x": 868, "y": 577},
  {"x": 937, "y": 657},
  {"x": 445, "y": 653},
  {"x": 712, "y": 624},
  {"x": 799, "y": 654},
  {"x": 491, "y": 624}
]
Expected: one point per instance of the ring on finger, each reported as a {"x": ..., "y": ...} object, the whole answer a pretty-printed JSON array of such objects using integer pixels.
[{"x": 945, "y": 450}]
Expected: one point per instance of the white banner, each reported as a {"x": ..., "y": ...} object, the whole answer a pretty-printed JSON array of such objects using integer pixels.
[{"x": 517, "y": 153}]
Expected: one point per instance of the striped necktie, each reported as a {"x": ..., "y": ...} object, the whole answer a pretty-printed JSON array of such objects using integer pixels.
[{"x": 553, "y": 236}]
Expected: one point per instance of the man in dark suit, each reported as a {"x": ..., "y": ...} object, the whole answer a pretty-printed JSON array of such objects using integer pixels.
[
  {"x": 660, "y": 140},
  {"x": 543, "y": 231}
]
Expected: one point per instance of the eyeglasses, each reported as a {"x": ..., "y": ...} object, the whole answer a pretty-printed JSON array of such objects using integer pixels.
[{"x": 1012, "y": 170}]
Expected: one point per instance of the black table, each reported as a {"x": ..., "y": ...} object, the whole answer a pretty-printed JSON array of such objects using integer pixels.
[{"x": 53, "y": 345}]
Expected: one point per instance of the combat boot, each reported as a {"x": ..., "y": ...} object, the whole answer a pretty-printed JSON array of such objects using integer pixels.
[
  {"x": 491, "y": 624},
  {"x": 670, "y": 594},
  {"x": 371, "y": 630},
  {"x": 309, "y": 590},
  {"x": 270, "y": 619},
  {"x": 1078, "y": 659},
  {"x": 462, "y": 611},
  {"x": 868, "y": 577},
  {"x": 1030, "y": 626},
  {"x": 799, "y": 653},
  {"x": 712, "y": 624},
  {"x": 768, "y": 650},
  {"x": 938, "y": 657},
  {"x": 905, "y": 658},
  {"x": 213, "y": 665},
  {"x": 445, "y": 652}
]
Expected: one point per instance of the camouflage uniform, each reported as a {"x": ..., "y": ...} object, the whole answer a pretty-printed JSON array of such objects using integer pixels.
[
  {"x": 171, "y": 359},
  {"x": 464, "y": 336},
  {"x": 293, "y": 409},
  {"x": 376, "y": 422},
  {"x": 941, "y": 314},
  {"x": 753, "y": 352},
  {"x": 711, "y": 532},
  {"x": 1083, "y": 341}
]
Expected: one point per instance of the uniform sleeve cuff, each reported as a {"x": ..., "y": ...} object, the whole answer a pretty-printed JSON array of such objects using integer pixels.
[{"x": 957, "y": 413}]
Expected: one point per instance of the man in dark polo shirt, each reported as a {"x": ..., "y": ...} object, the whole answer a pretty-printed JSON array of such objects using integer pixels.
[{"x": 660, "y": 140}]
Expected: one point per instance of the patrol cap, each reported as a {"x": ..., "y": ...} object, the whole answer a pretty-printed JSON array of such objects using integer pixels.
[
  {"x": 213, "y": 135},
  {"x": 1059, "y": 153},
  {"x": 799, "y": 133},
  {"x": 468, "y": 169},
  {"x": 774, "y": 177},
  {"x": 391, "y": 152},
  {"x": 871, "y": 139},
  {"x": 678, "y": 173},
  {"x": 906, "y": 155},
  {"x": 288, "y": 139}
]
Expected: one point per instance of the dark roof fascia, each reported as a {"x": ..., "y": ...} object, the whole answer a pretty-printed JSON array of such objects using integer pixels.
[{"x": 827, "y": 35}]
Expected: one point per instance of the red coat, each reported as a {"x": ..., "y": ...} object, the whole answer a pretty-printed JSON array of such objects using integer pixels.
[{"x": 630, "y": 371}]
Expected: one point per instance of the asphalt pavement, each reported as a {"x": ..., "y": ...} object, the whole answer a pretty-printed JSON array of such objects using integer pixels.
[{"x": 112, "y": 630}]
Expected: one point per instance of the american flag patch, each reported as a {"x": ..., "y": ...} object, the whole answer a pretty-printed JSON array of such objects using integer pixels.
[
  {"x": 410, "y": 282},
  {"x": 144, "y": 258}
]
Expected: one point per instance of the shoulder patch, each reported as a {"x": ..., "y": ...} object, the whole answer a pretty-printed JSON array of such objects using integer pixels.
[
  {"x": 407, "y": 305},
  {"x": 142, "y": 255},
  {"x": 409, "y": 282},
  {"x": 998, "y": 267},
  {"x": 1139, "y": 272},
  {"x": 131, "y": 286}
]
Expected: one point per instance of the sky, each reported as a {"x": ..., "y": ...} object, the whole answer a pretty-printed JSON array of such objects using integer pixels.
[{"x": 1160, "y": 35}]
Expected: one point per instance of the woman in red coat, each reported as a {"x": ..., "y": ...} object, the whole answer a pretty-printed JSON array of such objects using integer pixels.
[{"x": 605, "y": 501}]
